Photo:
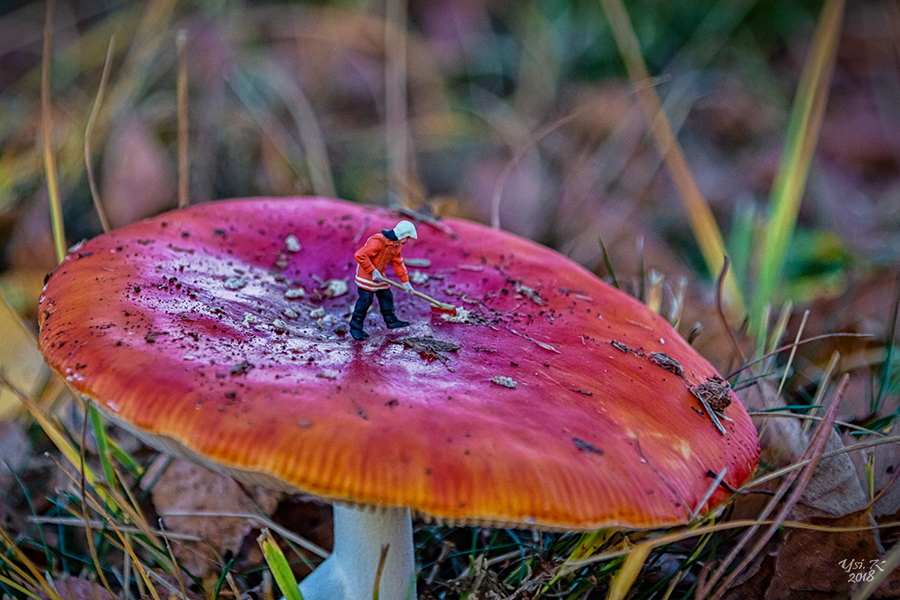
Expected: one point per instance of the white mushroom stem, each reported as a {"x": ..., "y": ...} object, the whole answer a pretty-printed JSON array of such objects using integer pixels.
[{"x": 359, "y": 535}]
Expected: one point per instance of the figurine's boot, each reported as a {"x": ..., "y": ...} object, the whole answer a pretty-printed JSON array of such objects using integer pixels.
[
  {"x": 386, "y": 302},
  {"x": 359, "y": 334},
  {"x": 359, "y": 314}
]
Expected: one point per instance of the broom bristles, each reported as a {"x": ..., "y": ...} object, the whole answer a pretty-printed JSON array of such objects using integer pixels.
[{"x": 446, "y": 309}]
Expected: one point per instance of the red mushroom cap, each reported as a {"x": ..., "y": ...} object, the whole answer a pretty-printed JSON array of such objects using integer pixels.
[{"x": 176, "y": 326}]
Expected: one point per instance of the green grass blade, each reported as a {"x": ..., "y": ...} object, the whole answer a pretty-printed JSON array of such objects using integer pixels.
[
  {"x": 800, "y": 142},
  {"x": 797, "y": 407},
  {"x": 279, "y": 566},
  {"x": 103, "y": 447},
  {"x": 886, "y": 374},
  {"x": 588, "y": 544},
  {"x": 740, "y": 242},
  {"x": 608, "y": 263},
  {"x": 27, "y": 495},
  {"x": 125, "y": 459}
]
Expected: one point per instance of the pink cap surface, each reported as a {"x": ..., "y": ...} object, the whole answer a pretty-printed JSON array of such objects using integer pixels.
[{"x": 178, "y": 328}]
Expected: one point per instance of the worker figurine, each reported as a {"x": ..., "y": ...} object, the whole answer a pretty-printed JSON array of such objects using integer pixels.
[{"x": 380, "y": 250}]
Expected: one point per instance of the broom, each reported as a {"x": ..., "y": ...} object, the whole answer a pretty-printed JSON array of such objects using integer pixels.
[{"x": 436, "y": 305}]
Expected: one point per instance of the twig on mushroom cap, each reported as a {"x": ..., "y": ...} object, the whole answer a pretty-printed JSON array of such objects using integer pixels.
[
  {"x": 429, "y": 348},
  {"x": 531, "y": 339}
]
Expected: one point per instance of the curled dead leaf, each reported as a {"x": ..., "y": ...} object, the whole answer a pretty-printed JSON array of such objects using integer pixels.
[{"x": 195, "y": 492}]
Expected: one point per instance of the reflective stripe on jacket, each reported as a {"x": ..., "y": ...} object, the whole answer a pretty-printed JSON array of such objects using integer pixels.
[{"x": 377, "y": 254}]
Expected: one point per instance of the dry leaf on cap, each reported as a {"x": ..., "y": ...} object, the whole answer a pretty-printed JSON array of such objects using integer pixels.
[{"x": 186, "y": 487}]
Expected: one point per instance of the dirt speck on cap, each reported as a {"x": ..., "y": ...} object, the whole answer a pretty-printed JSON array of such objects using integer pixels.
[{"x": 504, "y": 381}]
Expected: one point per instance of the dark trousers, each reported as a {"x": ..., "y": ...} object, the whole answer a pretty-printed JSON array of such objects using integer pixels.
[{"x": 385, "y": 302}]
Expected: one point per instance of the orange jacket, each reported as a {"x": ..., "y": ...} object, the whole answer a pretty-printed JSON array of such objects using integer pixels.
[{"x": 377, "y": 254}]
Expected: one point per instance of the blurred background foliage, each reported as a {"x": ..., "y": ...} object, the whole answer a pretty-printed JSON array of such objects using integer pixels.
[
  {"x": 446, "y": 106},
  {"x": 289, "y": 99},
  {"x": 297, "y": 98}
]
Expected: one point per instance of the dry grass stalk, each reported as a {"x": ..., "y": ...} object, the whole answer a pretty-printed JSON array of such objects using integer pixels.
[
  {"x": 813, "y": 454},
  {"x": 88, "y": 163},
  {"x": 59, "y": 236},
  {"x": 98, "y": 506},
  {"x": 793, "y": 351}
]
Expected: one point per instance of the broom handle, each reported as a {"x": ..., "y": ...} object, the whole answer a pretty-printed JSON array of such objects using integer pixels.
[{"x": 434, "y": 302}]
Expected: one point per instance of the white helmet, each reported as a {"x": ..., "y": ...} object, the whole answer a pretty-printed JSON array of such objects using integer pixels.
[{"x": 405, "y": 229}]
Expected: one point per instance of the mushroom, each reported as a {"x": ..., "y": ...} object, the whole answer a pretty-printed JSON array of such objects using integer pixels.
[{"x": 594, "y": 434}]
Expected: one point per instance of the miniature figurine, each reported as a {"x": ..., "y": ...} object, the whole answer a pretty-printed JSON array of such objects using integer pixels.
[{"x": 380, "y": 250}]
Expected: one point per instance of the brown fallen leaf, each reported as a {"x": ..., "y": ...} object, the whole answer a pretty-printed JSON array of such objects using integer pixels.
[
  {"x": 753, "y": 582},
  {"x": 835, "y": 487},
  {"x": 815, "y": 565},
  {"x": 74, "y": 588},
  {"x": 825, "y": 565},
  {"x": 188, "y": 488},
  {"x": 890, "y": 588}
]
